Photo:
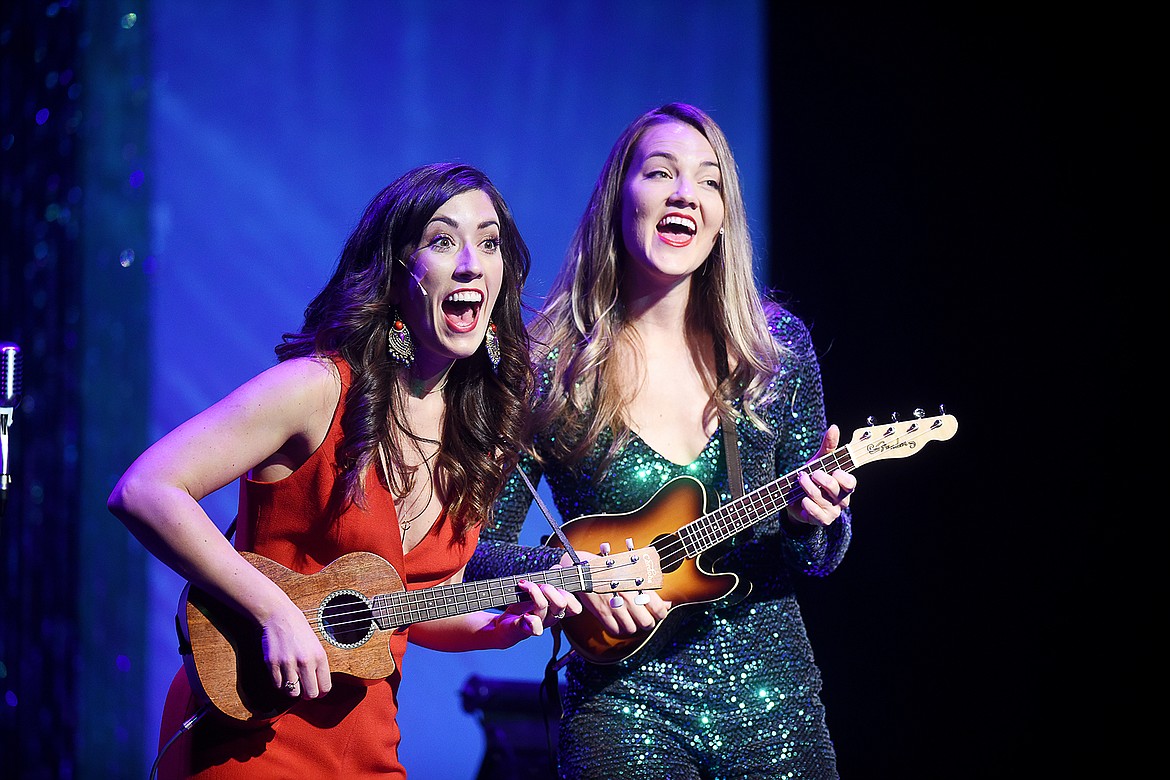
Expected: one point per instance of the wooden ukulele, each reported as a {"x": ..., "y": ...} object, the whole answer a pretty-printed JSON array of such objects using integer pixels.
[
  {"x": 355, "y": 604},
  {"x": 662, "y": 524}
]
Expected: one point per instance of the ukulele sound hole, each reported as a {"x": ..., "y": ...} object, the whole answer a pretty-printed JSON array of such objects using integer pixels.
[{"x": 346, "y": 619}]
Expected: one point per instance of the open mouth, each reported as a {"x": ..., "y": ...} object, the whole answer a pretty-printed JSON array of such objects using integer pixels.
[
  {"x": 676, "y": 229},
  {"x": 462, "y": 309}
]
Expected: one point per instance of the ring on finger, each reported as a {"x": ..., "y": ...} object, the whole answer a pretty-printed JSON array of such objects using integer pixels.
[
  {"x": 291, "y": 685},
  {"x": 560, "y": 615}
]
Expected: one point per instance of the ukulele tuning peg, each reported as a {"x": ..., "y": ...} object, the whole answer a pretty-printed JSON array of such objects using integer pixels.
[
  {"x": 869, "y": 421},
  {"x": 641, "y": 598},
  {"x": 894, "y": 417},
  {"x": 629, "y": 543},
  {"x": 616, "y": 602},
  {"x": 604, "y": 548},
  {"x": 919, "y": 413},
  {"x": 942, "y": 409}
]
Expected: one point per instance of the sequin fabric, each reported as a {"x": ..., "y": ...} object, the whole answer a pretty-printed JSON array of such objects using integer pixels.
[{"x": 728, "y": 691}]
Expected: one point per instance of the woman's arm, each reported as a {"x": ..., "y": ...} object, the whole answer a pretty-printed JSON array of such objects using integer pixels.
[
  {"x": 499, "y": 553},
  {"x": 271, "y": 422},
  {"x": 817, "y": 529},
  {"x": 484, "y": 630}
]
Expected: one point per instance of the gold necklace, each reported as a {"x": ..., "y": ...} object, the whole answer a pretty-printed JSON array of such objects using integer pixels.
[
  {"x": 405, "y": 524},
  {"x": 415, "y": 388}
]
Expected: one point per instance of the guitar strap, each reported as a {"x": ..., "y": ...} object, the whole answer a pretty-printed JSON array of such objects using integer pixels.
[
  {"x": 727, "y": 425},
  {"x": 550, "y": 684},
  {"x": 548, "y": 516}
]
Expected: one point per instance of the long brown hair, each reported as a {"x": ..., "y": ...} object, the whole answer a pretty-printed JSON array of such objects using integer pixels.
[
  {"x": 583, "y": 318},
  {"x": 484, "y": 427}
]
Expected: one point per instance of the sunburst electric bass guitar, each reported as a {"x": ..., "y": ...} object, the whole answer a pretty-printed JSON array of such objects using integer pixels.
[
  {"x": 676, "y": 524},
  {"x": 355, "y": 604}
]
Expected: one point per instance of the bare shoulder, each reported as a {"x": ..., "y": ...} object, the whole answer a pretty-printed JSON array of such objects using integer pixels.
[
  {"x": 290, "y": 407},
  {"x": 303, "y": 376},
  {"x": 273, "y": 419},
  {"x": 308, "y": 374},
  {"x": 305, "y": 389}
]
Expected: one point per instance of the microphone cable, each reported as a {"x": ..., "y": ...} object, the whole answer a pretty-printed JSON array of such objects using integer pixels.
[{"x": 188, "y": 724}]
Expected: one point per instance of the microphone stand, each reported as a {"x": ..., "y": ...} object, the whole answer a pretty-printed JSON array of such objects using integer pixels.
[
  {"x": 10, "y": 381},
  {"x": 6, "y": 417}
]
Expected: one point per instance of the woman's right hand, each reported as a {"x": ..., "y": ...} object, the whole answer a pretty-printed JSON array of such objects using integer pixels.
[
  {"x": 296, "y": 659},
  {"x": 265, "y": 427},
  {"x": 628, "y": 618}
]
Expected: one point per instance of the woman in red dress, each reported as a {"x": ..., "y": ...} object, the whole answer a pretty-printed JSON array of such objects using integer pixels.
[{"x": 388, "y": 425}]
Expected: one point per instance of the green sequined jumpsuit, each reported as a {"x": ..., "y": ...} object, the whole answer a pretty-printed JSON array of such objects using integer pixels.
[{"x": 730, "y": 691}]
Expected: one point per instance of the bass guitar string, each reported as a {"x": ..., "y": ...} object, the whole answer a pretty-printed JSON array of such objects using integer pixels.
[
  {"x": 763, "y": 502},
  {"x": 674, "y": 552}
]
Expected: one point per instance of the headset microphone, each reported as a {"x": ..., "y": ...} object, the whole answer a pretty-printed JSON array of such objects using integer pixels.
[{"x": 417, "y": 279}]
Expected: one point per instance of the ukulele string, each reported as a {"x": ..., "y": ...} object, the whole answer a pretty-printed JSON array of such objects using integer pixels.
[{"x": 360, "y": 613}]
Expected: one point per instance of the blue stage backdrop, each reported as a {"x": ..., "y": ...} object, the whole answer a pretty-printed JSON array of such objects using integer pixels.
[{"x": 272, "y": 125}]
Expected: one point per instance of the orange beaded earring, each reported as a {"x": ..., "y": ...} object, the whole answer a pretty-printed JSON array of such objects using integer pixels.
[{"x": 400, "y": 345}]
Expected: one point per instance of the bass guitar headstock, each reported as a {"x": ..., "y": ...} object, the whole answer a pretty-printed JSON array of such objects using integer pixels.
[
  {"x": 900, "y": 439},
  {"x": 633, "y": 570}
]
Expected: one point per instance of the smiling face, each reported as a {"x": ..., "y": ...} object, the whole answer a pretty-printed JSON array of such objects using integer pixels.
[
  {"x": 456, "y": 272},
  {"x": 672, "y": 205}
]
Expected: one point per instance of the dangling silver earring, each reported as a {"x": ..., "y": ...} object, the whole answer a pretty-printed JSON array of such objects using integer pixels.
[
  {"x": 491, "y": 342},
  {"x": 720, "y": 231},
  {"x": 399, "y": 344}
]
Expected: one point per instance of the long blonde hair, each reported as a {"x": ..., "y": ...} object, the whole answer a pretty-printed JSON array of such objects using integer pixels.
[{"x": 583, "y": 318}]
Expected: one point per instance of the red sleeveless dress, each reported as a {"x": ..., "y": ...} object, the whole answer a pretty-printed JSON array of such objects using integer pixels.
[{"x": 352, "y": 732}]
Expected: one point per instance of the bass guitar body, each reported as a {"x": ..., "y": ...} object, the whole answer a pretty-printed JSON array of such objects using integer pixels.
[
  {"x": 685, "y": 583},
  {"x": 675, "y": 523}
]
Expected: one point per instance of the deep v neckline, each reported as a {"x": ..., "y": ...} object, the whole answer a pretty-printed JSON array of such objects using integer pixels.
[
  {"x": 432, "y": 531},
  {"x": 710, "y": 440}
]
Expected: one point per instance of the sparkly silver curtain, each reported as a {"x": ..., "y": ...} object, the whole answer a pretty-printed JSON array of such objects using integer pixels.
[
  {"x": 116, "y": 377},
  {"x": 40, "y": 302},
  {"x": 72, "y": 149}
]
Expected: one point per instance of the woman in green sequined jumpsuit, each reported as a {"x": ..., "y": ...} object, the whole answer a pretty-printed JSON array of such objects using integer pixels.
[{"x": 657, "y": 282}]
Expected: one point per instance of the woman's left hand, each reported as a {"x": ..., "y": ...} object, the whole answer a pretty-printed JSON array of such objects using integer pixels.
[
  {"x": 826, "y": 495},
  {"x": 546, "y": 605}
]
